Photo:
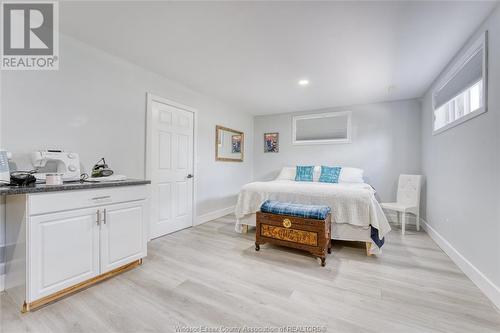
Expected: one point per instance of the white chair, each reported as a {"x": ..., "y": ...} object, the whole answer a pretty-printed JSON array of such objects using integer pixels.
[{"x": 408, "y": 199}]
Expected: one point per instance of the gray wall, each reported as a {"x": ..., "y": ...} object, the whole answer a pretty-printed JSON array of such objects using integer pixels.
[
  {"x": 385, "y": 143},
  {"x": 96, "y": 105},
  {"x": 462, "y": 167}
]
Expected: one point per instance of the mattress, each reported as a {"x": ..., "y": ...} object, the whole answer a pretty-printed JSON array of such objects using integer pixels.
[{"x": 348, "y": 232}]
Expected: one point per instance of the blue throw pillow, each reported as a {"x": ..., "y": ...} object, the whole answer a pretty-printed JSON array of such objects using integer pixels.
[
  {"x": 304, "y": 173},
  {"x": 329, "y": 174}
]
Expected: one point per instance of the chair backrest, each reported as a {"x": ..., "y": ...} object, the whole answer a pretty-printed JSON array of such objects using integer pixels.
[{"x": 409, "y": 189}]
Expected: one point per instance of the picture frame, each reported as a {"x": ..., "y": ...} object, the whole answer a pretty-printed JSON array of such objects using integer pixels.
[
  {"x": 271, "y": 142},
  {"x": 229, "y": 144}
]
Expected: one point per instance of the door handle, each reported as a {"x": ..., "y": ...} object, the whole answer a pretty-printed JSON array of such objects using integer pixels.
[
  {"x": 98, "y": 220},
  {"x": 190, "y": 176},
  {"x": 104, "y": 216}
]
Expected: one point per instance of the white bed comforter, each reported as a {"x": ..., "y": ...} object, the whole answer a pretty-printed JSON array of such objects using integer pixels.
[{"x": 352, "y": 203}]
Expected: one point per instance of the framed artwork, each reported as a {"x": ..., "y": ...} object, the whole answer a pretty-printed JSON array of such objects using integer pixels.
[
  {"x": 236, "y": 144},
  {"x": 271, "y": 142},
  {"x": 229, "y": 144}
]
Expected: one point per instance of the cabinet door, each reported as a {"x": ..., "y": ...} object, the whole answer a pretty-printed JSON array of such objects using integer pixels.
[
  {"x": 63, "y": 251},
  {"x": 123, "y": 234}
]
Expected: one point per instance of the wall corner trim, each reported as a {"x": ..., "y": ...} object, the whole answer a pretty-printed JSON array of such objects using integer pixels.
[
  {"x": 488, "y": 288},
  {"x": 214, "y": 215}
]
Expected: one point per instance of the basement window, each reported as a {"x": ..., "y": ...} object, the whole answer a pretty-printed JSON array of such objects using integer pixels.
[
  {"x": 461, "y": 95},
  {"x": 322, "y": 128}
]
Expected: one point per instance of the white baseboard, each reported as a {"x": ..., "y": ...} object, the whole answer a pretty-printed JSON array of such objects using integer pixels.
[
  {"x": 2, "y": 282},
  {"x": 491, "y": 290},
  {"x": 214, "y": 215}
]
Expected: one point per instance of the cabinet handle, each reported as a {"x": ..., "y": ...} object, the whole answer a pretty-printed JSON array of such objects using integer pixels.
[
  {"x": 98, "y": 221},
  {"x": 101, "y": 198},
  {"x": 104, "y": 216}
]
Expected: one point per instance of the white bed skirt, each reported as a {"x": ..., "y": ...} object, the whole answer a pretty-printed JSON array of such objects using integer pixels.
[{"x": 340, "y": 231}]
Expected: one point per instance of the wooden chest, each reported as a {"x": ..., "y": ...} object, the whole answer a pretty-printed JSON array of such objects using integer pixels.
[{"x": 309, "y": 235}]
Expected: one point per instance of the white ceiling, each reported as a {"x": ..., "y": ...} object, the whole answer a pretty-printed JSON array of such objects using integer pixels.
[{"x": 252, "y": 54}]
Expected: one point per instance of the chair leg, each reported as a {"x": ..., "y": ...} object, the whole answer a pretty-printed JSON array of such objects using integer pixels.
[
  {"x": 398, "y": 217},
  {"x": 403, "y": 222},
  {"x": 418, "y": 221}
]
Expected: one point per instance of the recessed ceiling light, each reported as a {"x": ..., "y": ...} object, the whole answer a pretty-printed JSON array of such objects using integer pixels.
[{"x": 303, "y": 82}]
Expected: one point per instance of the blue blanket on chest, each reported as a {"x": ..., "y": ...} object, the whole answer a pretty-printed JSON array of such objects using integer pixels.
[{"x": 298, "y": 210}]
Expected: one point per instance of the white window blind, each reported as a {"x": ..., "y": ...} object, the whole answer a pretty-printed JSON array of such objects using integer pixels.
[
  {"x": 462, "y": 93},
  {"x": 468, "y": 75}
]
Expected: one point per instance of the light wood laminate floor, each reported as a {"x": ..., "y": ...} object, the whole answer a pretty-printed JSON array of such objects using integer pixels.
[{"x": 211, "y": 276}]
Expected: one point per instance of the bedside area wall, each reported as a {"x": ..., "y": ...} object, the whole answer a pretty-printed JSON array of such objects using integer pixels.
[{"x": 389, "y": 131}]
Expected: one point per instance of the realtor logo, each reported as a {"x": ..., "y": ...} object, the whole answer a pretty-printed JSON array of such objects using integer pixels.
[{"x": 30, "y": 36}]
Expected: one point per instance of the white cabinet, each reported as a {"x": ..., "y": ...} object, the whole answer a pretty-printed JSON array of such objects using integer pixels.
[
  {"x": 122, "y": 228},
  {"x": 64, "y": 240},
  {"x": 64, "y": 250}
]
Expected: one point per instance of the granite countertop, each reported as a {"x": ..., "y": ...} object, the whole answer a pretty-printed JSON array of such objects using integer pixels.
[{"x": 69, "y": 186}]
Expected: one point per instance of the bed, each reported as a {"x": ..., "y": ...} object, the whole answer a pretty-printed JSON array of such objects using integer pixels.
[{"x": 356, "y": 214}]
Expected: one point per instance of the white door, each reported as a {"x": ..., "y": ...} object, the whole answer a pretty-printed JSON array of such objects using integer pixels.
[
  {"x": 64, "y": 250},
  {"x": 123, "y": 238},
  {"x": 170, "y": 155}
]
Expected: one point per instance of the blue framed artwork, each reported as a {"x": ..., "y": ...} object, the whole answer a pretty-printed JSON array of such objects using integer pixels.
[{"x": 271, "y": 142}]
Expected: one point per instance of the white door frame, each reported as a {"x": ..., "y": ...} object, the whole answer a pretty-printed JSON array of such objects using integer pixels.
[{"x": 149, "y": 118}]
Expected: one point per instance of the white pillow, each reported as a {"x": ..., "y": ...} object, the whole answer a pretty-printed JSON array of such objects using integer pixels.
[
  {"x": 287, "y": 173},
  {"x": 351, "y": 175},
  {"x": 316, "y": 173}
]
